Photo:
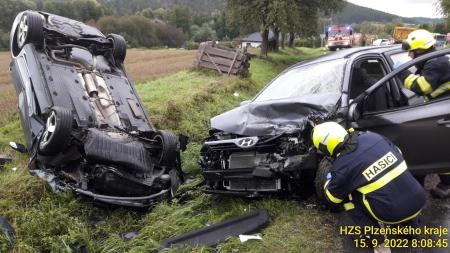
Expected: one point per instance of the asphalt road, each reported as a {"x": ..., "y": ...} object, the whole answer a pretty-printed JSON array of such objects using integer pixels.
[{"x": 435, "y": 214}]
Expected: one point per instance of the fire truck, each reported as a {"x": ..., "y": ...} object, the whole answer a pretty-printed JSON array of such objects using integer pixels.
[{"x": 339, "y": 37}]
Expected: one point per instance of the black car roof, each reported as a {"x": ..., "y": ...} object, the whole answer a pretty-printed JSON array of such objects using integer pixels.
[{"x": 346, "y": 53}]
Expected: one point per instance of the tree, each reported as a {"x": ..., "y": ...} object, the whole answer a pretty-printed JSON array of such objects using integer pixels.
[
  {"x": 137, "y": 30},
  {"x": 169, "y": 35},
  {"x": 224, "y": 29},
  {"x": 247, "y": 14},
  {"x": 279, "y": 15},
  {"x": 10, "y": 8},
  {"x": 147, "y": 12},
  {"x": 444, "y": 8},
  {"x": 180, "y": 17},
  {"x": 82, "y": 10},
  {"x": 203, "y": 33}
]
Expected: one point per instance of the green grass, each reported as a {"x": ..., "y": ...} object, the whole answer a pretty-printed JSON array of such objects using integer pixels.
[{"x": 183, "y": 102}]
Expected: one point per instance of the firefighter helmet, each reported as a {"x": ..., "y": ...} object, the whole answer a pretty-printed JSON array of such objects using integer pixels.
[
  {"x": 329, "y": 137},
  {"x": 418, "y": 39}
]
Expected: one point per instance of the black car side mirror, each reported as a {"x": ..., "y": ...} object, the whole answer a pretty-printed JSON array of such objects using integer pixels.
[{"x": 353, "y": 112}]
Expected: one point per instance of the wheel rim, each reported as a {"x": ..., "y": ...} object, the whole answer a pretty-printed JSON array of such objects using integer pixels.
[
  {"x": 50, "y": 127},
  {"x": 23, "y": 31}
]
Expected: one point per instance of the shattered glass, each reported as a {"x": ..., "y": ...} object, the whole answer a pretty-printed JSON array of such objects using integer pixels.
[{"x": 312, "y": 79}]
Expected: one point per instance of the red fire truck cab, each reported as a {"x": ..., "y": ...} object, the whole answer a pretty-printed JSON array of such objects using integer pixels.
[{"x": 339, "y": 37}]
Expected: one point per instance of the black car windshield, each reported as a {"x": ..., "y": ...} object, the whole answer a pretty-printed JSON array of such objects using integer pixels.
[{"x": 312, "y": 79}]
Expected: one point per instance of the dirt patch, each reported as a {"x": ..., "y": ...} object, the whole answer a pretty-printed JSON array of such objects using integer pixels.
[
  {"x": 143, "y": 64},
  {"x": 5, "y": 78}
]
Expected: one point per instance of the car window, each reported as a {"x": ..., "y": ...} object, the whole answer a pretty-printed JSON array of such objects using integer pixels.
[
  {"x": 400, "y": 58},
  {"x": 365, "y": 73},
  {"x": 316, "y": 78}
]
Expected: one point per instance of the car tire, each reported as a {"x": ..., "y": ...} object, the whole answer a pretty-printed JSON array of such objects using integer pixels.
[
  {"x": 169, "y": 147},
  {"x": 320, "y": 179},
  {"x": 29, "y": 30},
  {"x": 57, "y": 131},
  {"x": 319, "y": 183},
  {"x": 119, "y": 47}
]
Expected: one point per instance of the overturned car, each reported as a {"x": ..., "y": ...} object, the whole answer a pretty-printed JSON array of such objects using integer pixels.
[
  {"x": 264, "y": 146},
  {"x": 84, "y": 125}
]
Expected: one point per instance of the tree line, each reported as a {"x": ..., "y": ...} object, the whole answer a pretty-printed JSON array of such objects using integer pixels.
[
  {"x": 170, "y": 27},
  {"x": 176, "y": 23}
]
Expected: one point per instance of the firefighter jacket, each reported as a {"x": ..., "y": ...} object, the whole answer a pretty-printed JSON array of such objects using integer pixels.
[
  {"x": 376, "y": 175},
  {"x": 432, "y": 78}
]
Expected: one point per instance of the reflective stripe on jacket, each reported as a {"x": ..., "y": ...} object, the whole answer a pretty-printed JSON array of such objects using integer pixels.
[
  {"x": 376, "y": 174},
  {"x": 431, "y": 79}
]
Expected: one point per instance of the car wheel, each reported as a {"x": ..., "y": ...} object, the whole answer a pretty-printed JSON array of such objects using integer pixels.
[
  {"x": 168, "y": 153},
  {"x": 29, "y": 29},
  {"x": 119, "y": 47},
  {"x": 321, "y": 175},
  {"x": 57, "y": 131},
  {"x": 319, "y": 182}
]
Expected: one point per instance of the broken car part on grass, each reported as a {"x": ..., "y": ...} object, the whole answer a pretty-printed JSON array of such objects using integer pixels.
[
  {"x": 264, "y": 146},
  {"x": 219, "y": 232},
  {"x": 7, "y": 230},
  {"x": 84, "y": 125}
]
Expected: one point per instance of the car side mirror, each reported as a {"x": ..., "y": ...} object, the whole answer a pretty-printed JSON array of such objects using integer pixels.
[
  {"x": 244, "y": 102},
  {"x": 353, "y": 112}
]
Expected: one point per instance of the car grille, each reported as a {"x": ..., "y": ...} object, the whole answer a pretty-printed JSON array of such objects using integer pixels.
[
  {"x": 232, "y": 146},
  {"x": 253, "y": 184}
]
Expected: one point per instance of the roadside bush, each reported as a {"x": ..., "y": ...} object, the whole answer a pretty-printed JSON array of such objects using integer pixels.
[
  {"x": 203, "y": 33},
  {"x": 169, "y": 35},
  {"x": 4, "y": 39},
  {"x": 192, "y": 45},
  {"x": 137, "y": 30}
]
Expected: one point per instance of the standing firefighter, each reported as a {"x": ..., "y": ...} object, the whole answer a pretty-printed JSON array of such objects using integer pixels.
[
  {"x": 432, "y": 80},
  {"x": 369, "y": 176}
]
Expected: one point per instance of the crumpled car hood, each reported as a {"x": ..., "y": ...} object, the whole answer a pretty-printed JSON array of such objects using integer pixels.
[{"x": 274, "y": 116}]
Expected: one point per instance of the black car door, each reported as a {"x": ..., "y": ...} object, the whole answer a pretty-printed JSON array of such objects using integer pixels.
[{"x": 420, "y": 129}]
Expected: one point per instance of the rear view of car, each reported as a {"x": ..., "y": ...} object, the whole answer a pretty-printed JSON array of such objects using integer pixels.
[{"x": 84, "y": 125}]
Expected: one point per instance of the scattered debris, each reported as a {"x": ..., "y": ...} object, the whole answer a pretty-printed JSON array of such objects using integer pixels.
[
  {"x": 4, "y": 159},
  {"x": 244, "y": 238},
  {"x": 216, "y": 233},
  {"x": 229, "y": 61},
  {"x": 18, "y": 147},
  {"x": 310, "y": 206},
  {"x": 7, "y": 230},
  {"x": 236, "y": 94},
  {"x": 129, "y": 235},
  {"x": 14, "y": 169}
]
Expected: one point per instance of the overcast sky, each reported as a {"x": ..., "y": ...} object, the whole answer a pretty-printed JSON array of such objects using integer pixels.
[{"x": 403, "y": 8}]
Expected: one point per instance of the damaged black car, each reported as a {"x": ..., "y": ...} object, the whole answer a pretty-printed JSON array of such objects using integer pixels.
[
  {"x": 264, "y": 146},
  {"x": 84, "y": 125}
]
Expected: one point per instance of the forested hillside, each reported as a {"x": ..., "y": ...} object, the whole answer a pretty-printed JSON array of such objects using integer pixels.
[
  {"x": 352, "y": 13},
  {"x": 130, "y": 7}
]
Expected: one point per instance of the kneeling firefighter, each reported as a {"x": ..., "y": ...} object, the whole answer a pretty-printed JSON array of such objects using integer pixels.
[{"x": 369, "y": 176}]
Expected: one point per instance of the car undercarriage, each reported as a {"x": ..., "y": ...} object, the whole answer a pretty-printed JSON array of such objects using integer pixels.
[{"x": 85, "y": 127}]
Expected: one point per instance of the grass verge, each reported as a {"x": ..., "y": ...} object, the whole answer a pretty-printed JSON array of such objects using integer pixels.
[{"x": 183, "y": 102}]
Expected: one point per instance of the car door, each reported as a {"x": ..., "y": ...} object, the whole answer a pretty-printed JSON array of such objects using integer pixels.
[{"x": 420, "y": 130}]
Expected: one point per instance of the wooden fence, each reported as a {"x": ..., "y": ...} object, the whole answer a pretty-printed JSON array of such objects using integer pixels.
[{"x": 227, "y": 61}]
